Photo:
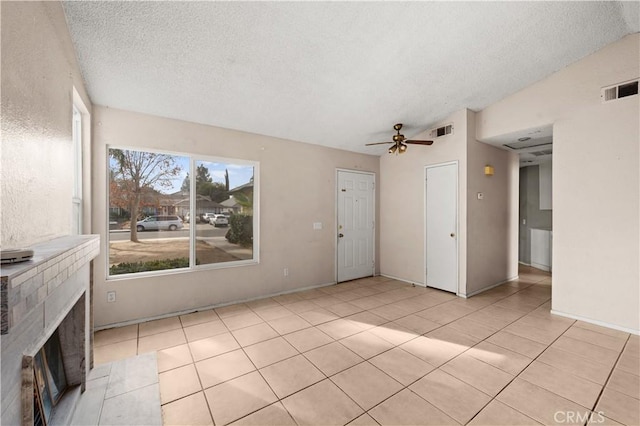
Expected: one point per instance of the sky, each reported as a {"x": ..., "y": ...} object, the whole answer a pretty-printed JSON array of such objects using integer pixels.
[{"x": 239, "y": 174}]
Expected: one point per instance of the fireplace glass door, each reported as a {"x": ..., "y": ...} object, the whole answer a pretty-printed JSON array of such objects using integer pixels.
[{"x": 50, "y": 379}]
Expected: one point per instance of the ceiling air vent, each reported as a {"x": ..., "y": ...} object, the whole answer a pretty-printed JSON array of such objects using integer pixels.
[
  {"x": 441, "y": 131},
  {"x": 617, "y": 91},
  {"x": 540, "y": 153}
]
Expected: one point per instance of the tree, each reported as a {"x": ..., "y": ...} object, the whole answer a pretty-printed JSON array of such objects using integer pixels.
[
  {"x": 202, "y": 175},
  {"x": 245, "y": 201},
  {"x": 141, "y": 172},
  {"x": 214, "y": 190},
  {"x": 186, "y": 184}
]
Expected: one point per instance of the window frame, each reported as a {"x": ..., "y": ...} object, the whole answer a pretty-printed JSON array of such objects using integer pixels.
[
  {"x": 76, "y": 197},
  {"x": 193, "y": 159}
]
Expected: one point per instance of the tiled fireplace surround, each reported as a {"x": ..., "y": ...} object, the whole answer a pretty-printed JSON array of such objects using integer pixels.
[{"x": 49, "y": 292}]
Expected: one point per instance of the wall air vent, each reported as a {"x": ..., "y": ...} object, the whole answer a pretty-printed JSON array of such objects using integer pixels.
[
  {"x": 441, "y": 131},
  {"x": 617, "y": 91}
]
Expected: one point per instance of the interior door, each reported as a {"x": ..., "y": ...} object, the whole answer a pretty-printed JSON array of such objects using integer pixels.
[
  {"x": 441, "y": 227},
  {"x": 356, "y": 225}
]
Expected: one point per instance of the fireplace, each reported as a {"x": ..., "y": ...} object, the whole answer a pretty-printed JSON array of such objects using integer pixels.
[{"x": 45, "y": 330}]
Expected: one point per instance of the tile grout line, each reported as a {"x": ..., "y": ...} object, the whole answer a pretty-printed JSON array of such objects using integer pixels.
[
  {"x": 361, "y": 331},
  {"x": 606, "y": 382}
]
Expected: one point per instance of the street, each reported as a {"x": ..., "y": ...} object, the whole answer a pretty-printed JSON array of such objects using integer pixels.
[{"x": 203, "y": 230}]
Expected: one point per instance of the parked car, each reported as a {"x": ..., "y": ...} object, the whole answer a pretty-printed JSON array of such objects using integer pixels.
[
  {"x": 219, "y": 220},
  {"x": 206, "y": 218},
  {"x": 159, "y": 223}
]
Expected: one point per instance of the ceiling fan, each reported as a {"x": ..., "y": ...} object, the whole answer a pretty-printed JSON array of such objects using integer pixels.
[{"x": 399, "y": 142}]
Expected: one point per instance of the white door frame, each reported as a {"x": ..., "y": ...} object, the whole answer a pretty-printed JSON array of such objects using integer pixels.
[
  {"x": 424, "y": 220},
  {"x": 335, "y": 218}
]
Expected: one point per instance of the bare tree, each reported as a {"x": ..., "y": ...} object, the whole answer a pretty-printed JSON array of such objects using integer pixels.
[{"x": 142, "y": 171}]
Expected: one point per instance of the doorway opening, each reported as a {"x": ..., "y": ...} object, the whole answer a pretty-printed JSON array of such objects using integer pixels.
[{"x": 535, "y": 219}]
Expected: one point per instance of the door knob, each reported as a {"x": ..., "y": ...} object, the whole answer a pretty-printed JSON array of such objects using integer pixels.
[
  {"x": 340, "y": 235},
  {"x": 453, "y": 235}
]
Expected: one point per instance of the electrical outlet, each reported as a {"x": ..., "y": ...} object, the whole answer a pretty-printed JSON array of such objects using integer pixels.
[
  {"x": 111, "y": 296},
  {"x": 286, "y": 272}
]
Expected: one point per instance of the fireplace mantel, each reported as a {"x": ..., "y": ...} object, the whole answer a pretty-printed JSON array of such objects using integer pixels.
[{"x": 26, "y": 284}]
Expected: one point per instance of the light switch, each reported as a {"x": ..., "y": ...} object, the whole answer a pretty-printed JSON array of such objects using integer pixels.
[{"x": 317, "y": 225}]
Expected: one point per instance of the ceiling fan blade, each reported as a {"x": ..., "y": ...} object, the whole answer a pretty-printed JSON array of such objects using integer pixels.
[
  {"x": 377, "y": 143},
  {"x": 419, "y": 142}
]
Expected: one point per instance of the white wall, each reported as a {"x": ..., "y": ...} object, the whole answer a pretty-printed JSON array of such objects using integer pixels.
[
  {"x": 492, "y": 223},
  {"x": 402, "y": 201},
  {"x": 39, "y": 71},
  {"x": 595, "y": 180},
  {"x": 297, "y": 189}
]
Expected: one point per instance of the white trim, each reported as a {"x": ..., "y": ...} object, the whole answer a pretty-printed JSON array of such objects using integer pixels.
[
  {"x": 523, "y": 263},
  {"x": 403, "y": 280},
  {"x": 204, "y": 308},
  {"x": 482, "y": 290},
  {"x": 335, "y": 217},
  {"x": 596, "y": 322},
  {"x": 424, "y": 221}
]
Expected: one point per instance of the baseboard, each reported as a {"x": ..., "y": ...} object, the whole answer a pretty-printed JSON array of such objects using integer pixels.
[
  {"x": 523, "y": 263},
  {"x": 545, "y": 268},
  {"x": 595, "y": 322},
  {"x": 482, "y": 290},
  {"x": 403, "y": 280},
  {"x": 204, "y": 308}
]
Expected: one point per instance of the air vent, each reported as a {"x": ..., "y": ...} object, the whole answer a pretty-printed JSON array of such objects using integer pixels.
[
  {"x": 621, "y": 90},
  {"x": 441, "y": 131},
  {"x": 528, "y": 144},
  {"x": 540, "y": 153}
]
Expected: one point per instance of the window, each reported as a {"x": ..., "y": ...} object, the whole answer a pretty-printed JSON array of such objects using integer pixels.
[
  {"x": 76, "y": 131},
  {"x": 160, "y": 218}
]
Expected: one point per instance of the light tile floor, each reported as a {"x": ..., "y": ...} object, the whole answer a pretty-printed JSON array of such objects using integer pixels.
[
  {"x": 379, "y": 351},
  {"x": 123, "y": 392}
]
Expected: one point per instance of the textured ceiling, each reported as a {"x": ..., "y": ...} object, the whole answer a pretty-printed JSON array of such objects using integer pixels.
[{"x": 338, "y": 74}]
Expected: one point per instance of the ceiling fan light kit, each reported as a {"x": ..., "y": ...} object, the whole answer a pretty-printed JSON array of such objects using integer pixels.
[{"x": 400, "y": 142}]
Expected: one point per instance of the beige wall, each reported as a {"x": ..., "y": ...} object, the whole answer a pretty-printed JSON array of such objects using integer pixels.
[
  {"x": 402, "y": 201},
  {"x": 487, "y": 229},
  {"x": 595, "y": 181},
  {"x": 39, "y": 71},
  {"x": 297, "y": 189},
  {"x": 596, "y": 214},
  {"x": 492, "y": 223}
]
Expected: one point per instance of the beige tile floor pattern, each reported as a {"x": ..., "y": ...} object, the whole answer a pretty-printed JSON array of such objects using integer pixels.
[{"x": 379, "y": 351}]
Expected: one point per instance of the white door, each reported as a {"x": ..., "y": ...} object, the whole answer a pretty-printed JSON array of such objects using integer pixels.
[
  {"x": 355, "y": 231},
  {"x": 441, "y": 227}
]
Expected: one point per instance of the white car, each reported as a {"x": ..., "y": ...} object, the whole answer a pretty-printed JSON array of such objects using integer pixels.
[
  {"x": 159, "y": 223},
  {"x": 207, "y": 217},
  {"x": 219, "y": 220}
]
